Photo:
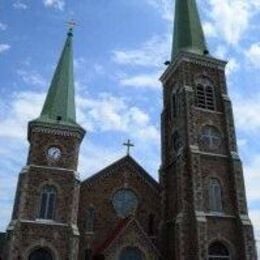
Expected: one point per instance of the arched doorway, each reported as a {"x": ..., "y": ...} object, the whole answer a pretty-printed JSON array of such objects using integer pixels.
[
  {"x": 40, "y": 254},
  {"x": 131, "y": 253},
  {"x": 218, "y": 251}
]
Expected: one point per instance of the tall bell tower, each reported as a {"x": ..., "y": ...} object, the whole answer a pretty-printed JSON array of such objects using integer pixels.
[
  {"x": 205, "y": 212},
  {"x": 44, "y": 220}
]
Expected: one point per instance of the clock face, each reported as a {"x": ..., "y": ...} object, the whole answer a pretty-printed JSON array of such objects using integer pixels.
[
  {"x": 54, "y": 153},
  {"x": 125, "y": 202}
]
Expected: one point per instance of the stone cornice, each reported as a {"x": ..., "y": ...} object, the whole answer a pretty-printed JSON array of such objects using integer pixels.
[
  {"x": 208, "y": 61},
  {"x": 55, "y": 129}
]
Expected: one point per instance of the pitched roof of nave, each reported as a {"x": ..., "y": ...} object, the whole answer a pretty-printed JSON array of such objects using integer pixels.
[
  {"x": 123, "y": 227},
  {"x": 125, "y": 162}
]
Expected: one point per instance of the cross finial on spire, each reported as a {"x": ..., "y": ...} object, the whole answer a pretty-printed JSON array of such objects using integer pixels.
[
  {"x": 128, "y": 145},
  {"x": 71, "y": 24}
]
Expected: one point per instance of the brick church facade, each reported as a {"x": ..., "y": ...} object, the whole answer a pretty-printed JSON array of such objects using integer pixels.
[{"x": 196, "y": 211}]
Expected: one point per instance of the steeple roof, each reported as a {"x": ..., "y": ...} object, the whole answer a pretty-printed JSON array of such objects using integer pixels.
[
  {"x": 188, "y": 32},
  {"x": 59, "y": 106}
]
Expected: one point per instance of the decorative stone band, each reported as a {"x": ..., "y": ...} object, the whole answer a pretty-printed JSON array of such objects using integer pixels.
[
  {"x": 75, "y": 173},
  {"x": 193, "y": 58},
  {"x": 56, "y": 129}
]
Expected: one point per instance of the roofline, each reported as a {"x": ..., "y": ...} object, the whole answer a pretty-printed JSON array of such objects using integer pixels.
[{"x": 127, "y": 157}]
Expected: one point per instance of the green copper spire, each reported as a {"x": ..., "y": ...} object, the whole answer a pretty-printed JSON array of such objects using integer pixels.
[
  {"x": 188, "y": 32},
  {"x": 59, "y": 105}
]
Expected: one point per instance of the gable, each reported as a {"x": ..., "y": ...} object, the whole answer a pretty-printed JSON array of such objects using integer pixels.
[
  {"x": 126, "y": 162},
  {"x": 128, "y": 233}
]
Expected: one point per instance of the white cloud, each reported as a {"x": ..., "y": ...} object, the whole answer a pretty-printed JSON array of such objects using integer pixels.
[
  {"x": 253, "y": 54},
  {"x": 102, "y": 114},
  {"x": 142, "y": 81},
  {"x": 255, "y": 217},
  {"x": 57, "y": 4},
  {"x": 20, "y": 5},
  {"x": 209, "y": 30},
  {"x": 32, "y": 78},
  {"x": 232, "y": 66},
  {"x": 3, "y": 26},
  {"x": 111, "y": 113},
  {"x": 165, "y": 7},
  {"x": 24, "y": 106},
  {"x": 252, "y": 178},
  {"x": 246, "y": 111},
  {"x": 152, "y": 53},
  {"x": 231, "y": 18},
  {"x": 4, "y": 47}
]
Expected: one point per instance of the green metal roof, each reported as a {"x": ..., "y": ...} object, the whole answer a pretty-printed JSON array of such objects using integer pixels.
[
  {"x": 188, "y": 32},
  {"x": 59, "y": 105}
]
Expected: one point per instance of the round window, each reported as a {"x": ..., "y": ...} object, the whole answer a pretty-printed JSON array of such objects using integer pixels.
[
  {"x": 210, "y": 137},
  {"x": 125, "y": 202}
]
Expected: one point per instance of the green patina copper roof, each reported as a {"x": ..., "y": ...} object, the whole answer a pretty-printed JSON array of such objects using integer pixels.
[
  {"x": 188, "y": 32},
  {"x": 59, "y": 105}
]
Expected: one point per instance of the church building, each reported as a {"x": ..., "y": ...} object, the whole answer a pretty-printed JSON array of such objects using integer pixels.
[{"x": 196, "y": 211}]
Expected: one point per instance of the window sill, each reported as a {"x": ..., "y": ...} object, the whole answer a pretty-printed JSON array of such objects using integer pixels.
[
  {"x": 45, "y": 220},
  {"x": 207, "y": 110},
  {"x": 89, "y": 233},
  {"x": 218, "y": 215}
]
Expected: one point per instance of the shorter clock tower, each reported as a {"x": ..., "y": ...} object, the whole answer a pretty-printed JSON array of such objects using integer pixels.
[{"x": 44, "y": 220}]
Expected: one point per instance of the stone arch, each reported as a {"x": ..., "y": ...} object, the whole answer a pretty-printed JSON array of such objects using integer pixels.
[
  {"x": 222, "y": 240},
  {"x": 41, "y": 244}
]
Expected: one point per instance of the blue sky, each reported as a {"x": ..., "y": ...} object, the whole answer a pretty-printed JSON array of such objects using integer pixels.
[{"x": 119, "y": 50}]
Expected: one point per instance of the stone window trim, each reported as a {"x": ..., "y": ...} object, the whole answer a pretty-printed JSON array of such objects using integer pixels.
[
  {"x": 205, "y": 94},
  {"x": 177, "y": 142},
  {"x": 90, "y": 220},
  {"x": 215, "y": 204},
  {"x": 151, "y": 224},
  {"x": 175, "y": 102},
  {"x": 225, "y": 242},
  {"x": 47, "y": 202},
  {"x": 213, "y": 128},
  {"x": 122, "y": 188}
]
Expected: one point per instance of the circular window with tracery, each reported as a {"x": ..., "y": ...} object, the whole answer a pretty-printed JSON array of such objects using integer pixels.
[
  {"x": 125, "y": 202},
  {"x": 210, "y": 138}
]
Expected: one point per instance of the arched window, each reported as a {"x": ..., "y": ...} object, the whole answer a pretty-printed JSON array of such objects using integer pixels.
[
  {"x": 151, "y": 225},
  {"x": 205, "y": 94},
  {"x": 177, "y": 141},
  {"x": 174, "y": 105},
  {"x": 210, "y": 137},
  {"x": 88, "y": 254},
  {"x": 40, "y": 254},
  {"x": 215, "y": 196},
  {"x": 131, "y": 253},
  {"x": 217, "y": 251},
  {"x": 48, "y": 199},
  {"x": 90, "y": 219}
]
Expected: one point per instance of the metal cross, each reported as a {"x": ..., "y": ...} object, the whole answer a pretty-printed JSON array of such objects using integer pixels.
[
  {"x": 129, "y": 145},
  {"x": 71, "y": 24}
]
